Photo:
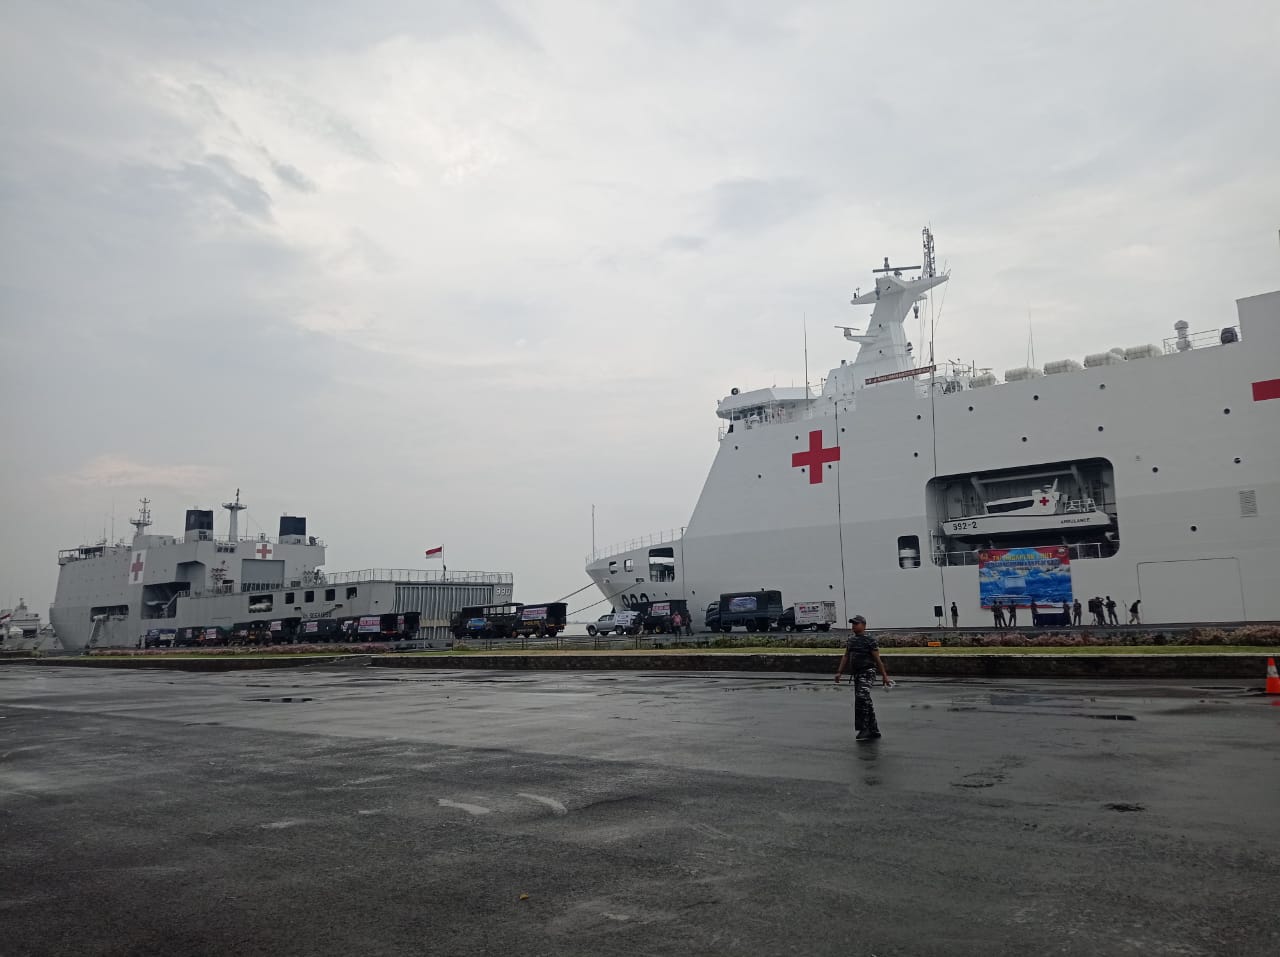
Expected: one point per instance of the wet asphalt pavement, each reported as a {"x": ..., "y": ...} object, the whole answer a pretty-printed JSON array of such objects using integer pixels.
[{"x": 347, "y": 810}]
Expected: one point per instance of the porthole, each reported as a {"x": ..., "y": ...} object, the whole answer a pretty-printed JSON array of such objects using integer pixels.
[
  {"x": 842, "y": 428},
  {"x": 1024, "y": 438},
  {"x": 1226, "y": 411},
  {"x": 797, "y": 438},
  {"x": 1194, "y": 528},
  {"x": 1035, "y": 398},
  {"x": 758, "y": 475},
  {"x": 915, "y": 455},
  {"x": 831, "y": 588},
  {"x": 735, "y": 448},
  {"x": 1237, "y": 460},
  {"x": 1155, "y": 468},
  {"x": 830, "y": 466},
  {"x": 1099, "y": 428},
  {"x": 970, "y": 408},
  {"x": 1102, "y": 385},
  {"x": 917, "y": 416}
]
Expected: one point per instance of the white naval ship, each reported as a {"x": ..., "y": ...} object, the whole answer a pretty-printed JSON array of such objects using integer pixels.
[
  {"x": 20, "y": 626},
  {"x": 1146, "y": 473},
  {"x": 156, "y": 586}
]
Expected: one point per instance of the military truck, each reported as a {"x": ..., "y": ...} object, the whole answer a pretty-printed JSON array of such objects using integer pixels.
[{"x": 753, "y": 610}]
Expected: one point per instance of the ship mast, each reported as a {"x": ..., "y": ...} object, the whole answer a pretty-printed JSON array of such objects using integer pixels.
[
  {"x": 233, "y": 526},
  {"x": 143, "y": 520}
]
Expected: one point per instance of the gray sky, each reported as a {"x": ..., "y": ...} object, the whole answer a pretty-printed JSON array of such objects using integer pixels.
[{"x": 450, "y": 272}]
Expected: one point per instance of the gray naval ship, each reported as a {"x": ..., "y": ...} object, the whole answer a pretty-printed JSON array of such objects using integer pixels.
[{"x": 199, "y": 588}]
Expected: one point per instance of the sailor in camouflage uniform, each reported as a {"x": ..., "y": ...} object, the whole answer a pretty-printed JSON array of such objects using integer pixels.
[{"x": 862, "y": 660}]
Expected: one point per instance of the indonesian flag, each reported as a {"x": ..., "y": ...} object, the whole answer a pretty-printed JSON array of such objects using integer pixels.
[{"x": 437, "y": 552}]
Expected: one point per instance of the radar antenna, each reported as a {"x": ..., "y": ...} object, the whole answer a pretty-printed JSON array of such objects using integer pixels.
[
  {"x": 930, "y": 263},
  {"x": 233, "y": 526},
  {"x": 143, "y": 520}
]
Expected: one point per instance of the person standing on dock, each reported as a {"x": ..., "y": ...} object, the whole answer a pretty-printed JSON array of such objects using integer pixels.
[
  {"x": 997, "y": 615},
  {"x": 862, "y": 660},
  {"x": 1135, "y": 617},
  {"x": 1075, "y": 612},
  {"x": 1013, "y": 613},
  {"x": 955, "y": 616},
  {"x": 1111, "y": 611}
]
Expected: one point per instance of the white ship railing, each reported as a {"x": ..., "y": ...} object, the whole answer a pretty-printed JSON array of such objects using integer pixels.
[
  {"x": 1197, "y": 340},
  {"x": 664, "y": 537},
  {"x": 1077, "y": 551},
  {"x": 417, "y": 576}
]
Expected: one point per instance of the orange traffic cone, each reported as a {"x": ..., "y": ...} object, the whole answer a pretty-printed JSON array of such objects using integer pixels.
[{"x": 1273, "y": 679}]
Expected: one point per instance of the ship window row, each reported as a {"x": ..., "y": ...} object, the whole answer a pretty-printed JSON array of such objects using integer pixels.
[{"x": 330, "y": 594}]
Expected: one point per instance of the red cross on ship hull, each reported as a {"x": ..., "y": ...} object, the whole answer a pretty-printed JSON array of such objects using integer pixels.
[{"x": 815, "y": 457}]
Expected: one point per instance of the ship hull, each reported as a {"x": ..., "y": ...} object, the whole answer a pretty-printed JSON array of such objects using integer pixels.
[{"x": 1189, "y": 441}]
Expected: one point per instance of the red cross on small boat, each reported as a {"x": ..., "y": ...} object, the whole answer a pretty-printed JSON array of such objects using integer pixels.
[
  {"x": 1044, "y": 500},
  {"x": 815, "y": 457}
]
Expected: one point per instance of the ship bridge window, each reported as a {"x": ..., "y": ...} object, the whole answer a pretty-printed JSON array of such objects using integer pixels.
[
  {"x": 260, "y": 603},
  {"x": 288, "y": 598},
  {"x": 662, "y": 564},
  {"x": 309, "y": 597},
  {"x": 628, "y": 565},
  {"x": 351, "y": 591},
  {"x": 330, "y": 594}
]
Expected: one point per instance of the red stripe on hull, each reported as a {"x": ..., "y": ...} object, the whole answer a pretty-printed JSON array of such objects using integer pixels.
[{"x": 1267, "y": 389}]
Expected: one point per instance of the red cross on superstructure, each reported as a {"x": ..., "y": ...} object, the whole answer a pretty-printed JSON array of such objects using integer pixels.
[
  {"x": 1044, "y": 500},
  {"x": 263, "y": 550},
  {"x": 136, "y": 568},
  {"x": 815, "y": 457}
]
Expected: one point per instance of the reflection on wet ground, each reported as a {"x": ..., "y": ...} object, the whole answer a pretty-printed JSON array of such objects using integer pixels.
[{"x": 335, "y": 811}]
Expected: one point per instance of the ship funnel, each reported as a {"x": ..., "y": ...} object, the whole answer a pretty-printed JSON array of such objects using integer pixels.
[
  {"x": 199, "y": 525},
  {"x": 293, "y": 529}
]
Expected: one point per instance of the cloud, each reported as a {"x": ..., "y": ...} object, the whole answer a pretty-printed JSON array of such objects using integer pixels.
[
  {"x": 751, "y": 204},
  {"x": 454, "y": 260},
  {"x": 292, "y": 176},
  {"x": 120, "y": 471}
]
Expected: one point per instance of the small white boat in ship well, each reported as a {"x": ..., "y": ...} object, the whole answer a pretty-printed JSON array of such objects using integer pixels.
[{"x": 1042, "y": 512}]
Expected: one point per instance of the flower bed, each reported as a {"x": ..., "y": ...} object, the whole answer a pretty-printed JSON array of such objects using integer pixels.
[{"x": 1251, "y": 635}]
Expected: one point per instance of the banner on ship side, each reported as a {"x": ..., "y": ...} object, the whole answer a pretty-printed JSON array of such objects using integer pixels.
[
  {"x": 904, "y": 374},
  {"x": 1022, "y": 576}
]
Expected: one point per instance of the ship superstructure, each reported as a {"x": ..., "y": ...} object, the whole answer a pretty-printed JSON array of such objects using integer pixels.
[
  {"x": 1150, "y": 472},
  {"x": 117, "y": 594}
]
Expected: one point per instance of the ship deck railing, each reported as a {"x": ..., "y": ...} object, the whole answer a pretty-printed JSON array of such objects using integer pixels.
[
  {"x": 664, "y": 537},
  {"x": 1198, "y": 340},
  {"x": 1078, "y": 550},
  {"x": 417, "y": 576}
]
